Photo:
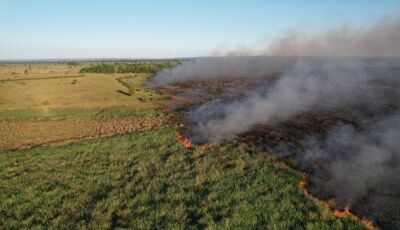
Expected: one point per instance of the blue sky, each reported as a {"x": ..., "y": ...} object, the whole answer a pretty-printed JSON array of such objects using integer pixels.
[{"x": 168, "y": 28}]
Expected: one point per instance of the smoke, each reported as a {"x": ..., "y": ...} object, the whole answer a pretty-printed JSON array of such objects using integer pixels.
[
  {"x": 357, "y": 161},
  {"x": 313, "y": 84},
  {"x": 359, "y": 168},
  {"x": 379, "y": 39},
  {"x": 222, "y": 68}
]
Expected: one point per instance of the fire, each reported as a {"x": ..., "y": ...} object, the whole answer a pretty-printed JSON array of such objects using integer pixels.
[
  {"x": 368, "y": 223},
  {"x": 186, "y": 142},
  {"x": 346, "y": 213},
  {"x": 303, "y": 184},
  {"x": 342, "y": 214}
]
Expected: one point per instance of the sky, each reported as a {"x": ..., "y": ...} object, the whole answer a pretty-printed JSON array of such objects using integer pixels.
[{"x": 43, "y": 29}]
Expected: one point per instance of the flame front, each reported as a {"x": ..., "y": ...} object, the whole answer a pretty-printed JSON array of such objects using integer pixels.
[
  {"x": 186, "y": 142},
  {"x": 181, "y": 138},
  {"x": 303, "y": 184},
  {"x": 344, "y": 213},
  {"x": 368, "y": 223}
]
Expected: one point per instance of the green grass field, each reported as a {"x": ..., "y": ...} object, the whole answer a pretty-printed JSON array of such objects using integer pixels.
[
  {"x": 148, "y": 180},
  {"x": 139, "y": 178}
]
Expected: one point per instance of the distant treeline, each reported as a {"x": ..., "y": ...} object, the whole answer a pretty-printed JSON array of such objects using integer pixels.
[{"x": 137, "y": 67}]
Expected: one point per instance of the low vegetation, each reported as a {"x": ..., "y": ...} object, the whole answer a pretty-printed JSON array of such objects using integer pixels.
[
  {"x": 148, "y": 180},
  {"x": 134, "y": 85}
]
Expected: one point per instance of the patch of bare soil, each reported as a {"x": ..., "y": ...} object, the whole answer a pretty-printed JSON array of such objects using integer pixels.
[{"x": 25, "y": 134}]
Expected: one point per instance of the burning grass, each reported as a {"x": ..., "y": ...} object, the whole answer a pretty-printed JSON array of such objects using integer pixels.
[
  {"x": 345, "y": 213},
  {"x": 149, "y": 180}
]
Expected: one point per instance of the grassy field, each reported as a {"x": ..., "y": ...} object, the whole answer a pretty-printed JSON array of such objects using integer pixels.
[
  {"x": 148, "y": 180},
  {"x": 89, "y": 91},
  {"x": 94, "y": 151},
  {"x": 55, "y": 85}
]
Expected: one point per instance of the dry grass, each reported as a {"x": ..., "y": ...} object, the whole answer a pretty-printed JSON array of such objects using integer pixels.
[
  {"x": 15, "y": 71},
  {"x": 42, "y": 103},
  {"x": 24, "y": 134},
  {"x": 55, "y": 85}
]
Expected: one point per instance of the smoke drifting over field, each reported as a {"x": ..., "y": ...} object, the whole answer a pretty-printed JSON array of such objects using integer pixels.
[
  {"x": 350, "y": 162},
  {"x": 360, "y": 165},
  {"x": 222, "y": 68},
  {"x": 306, "y": 86}
]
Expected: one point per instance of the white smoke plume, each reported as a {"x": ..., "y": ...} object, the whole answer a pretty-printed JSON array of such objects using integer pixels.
[
  {"x": 379, "y": 39},
  {"x": 313, "y": 84},
  {"x": 222, "y": 68}
]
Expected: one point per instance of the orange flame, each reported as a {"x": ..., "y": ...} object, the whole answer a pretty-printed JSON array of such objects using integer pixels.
[
  {"x": 368, "y": 223},
  {"x": 344, "y": 213},
  {"x": 186, "y": 142},
  {"x": 303, "y": 184}
]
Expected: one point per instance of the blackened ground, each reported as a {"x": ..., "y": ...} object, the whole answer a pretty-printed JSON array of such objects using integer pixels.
[{"x": 191, "y": 93}]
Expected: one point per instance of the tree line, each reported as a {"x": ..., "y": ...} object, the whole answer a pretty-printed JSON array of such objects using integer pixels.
[{"x": 138, "y": 67}]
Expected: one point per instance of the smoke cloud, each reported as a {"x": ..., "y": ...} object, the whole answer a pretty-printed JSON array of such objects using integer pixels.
[
  {"x": 379, "y": 39},
  {"x": 313, "y": 84},
  {"x": 364, "y": 159},
  {"x": 222, "y": 68}
]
